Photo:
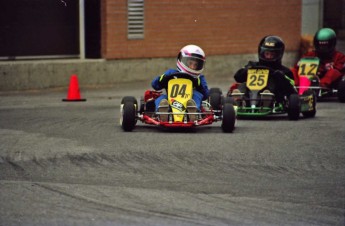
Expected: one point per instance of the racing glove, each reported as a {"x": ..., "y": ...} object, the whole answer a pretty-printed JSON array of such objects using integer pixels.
[{"x": 163, "y": 80}]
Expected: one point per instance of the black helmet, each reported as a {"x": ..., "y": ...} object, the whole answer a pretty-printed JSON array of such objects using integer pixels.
[
  {"x": 271, "y": 50},
  {"x": 325, "y": 40}
]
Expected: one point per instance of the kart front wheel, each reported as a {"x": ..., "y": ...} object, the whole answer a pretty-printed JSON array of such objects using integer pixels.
[
  {"x": 130, "y": 99},
  {"x": 128, "y": 117},
  {"x": 229, "y": 118},
  {"x": 312, "y": 113},
  {"x": 341, "y": 90},
  {"x": 128, "y": 111},
  {"x": 294, "y": 107}
]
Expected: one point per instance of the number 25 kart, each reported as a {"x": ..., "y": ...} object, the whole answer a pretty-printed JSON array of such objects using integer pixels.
[
  {"x": 255, "y": 99},
  {"x": 309, "y": 80},
  {"x": 179, "y": 91}
]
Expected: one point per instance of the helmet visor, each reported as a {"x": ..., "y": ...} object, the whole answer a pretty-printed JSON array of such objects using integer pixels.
[
  {"x": 193, "y": 63},
  {"x": 323, "y": 47},
  {"x": 270, "y": 54}
]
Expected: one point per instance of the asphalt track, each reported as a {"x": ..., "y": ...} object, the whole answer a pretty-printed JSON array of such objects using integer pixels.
[{"x": 67, "y": 163}]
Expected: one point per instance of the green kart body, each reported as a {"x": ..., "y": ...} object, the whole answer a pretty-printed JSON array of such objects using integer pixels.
[{"x": 255, "y": 99}]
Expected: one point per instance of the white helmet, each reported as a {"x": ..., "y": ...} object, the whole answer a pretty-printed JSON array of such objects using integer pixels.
[{"x": 191, "y": 60}]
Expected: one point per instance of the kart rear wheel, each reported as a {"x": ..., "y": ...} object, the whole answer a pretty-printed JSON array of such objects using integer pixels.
[
  {"x": 215, "y": 90},
  {"x": 229, "y": 100},
  {"x": 312, "y": 113},
  {"x": 341, "y": 90},
  {"x": 142, "y": 105},
  {"x": 215, "y": 99},
  {"x": 229, "y": 118},
  {"x": 294, "y": 107}
]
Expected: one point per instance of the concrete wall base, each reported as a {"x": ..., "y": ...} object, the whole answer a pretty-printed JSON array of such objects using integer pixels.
[{"x": 44, "y": 74}]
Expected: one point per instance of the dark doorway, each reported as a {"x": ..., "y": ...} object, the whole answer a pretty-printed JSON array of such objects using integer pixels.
[
  {"x": 92, "y": 28},
  {"x": 334, "y": 16},
  {"x": 41, "y": 28}
]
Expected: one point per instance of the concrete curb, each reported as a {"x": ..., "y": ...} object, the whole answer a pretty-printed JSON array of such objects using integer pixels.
[{"x": 44, "y": 74}]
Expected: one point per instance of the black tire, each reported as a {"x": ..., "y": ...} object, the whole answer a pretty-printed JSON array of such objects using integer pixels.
[
  {"x": 229, "y": 100},
  {"x": 142, "y": 105},
  {"x": 310, "y": 114},
  {"x": 215, "y": 90},
  {"x": 128, "y": 119},
  {"x": 128, "y": 115},
  {"x": 130, "y": 99},
  {"x": 341, "y": 91},
  {"x": 229, "y": 118},
  {"x": 215, "y": 100},
  {"x": 294, "y": 107}
]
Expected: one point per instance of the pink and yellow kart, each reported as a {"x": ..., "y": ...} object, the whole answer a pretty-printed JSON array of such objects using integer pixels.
[{"x": 309, "y": 81}]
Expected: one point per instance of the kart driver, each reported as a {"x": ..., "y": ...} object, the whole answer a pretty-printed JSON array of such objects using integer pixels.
[
  {"x": 332, "y": 62},
  {"x": 270, "y": 52},
  {"x": 190, "y": 60}
]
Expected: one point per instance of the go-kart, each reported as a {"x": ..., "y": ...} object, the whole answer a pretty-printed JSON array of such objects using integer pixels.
[
  {"x": 179, "y": 91},
  {"x": 255, "y": 99},
  {"x": 309, "y": 80}
]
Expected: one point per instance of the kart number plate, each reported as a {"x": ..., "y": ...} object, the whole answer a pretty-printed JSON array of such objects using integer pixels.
[
  {"x": 257, "y": 78},
  {"x": 179, "y": 92},
  {"x": 308, "y": 66},
  {"x": 180, "y": 88}
]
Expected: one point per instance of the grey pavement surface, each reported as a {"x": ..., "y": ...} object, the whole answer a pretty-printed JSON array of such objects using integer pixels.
[{"x": 67, "y": 163}]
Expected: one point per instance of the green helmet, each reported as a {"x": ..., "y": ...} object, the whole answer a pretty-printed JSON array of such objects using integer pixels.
[{"x": 325, "y": 40}]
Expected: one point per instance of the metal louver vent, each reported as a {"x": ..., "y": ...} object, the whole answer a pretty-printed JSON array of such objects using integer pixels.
[{"x": 135, "y": 19}]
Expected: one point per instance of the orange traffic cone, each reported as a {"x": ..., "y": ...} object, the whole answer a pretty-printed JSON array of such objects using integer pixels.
[{"x": 73, "y": 90}]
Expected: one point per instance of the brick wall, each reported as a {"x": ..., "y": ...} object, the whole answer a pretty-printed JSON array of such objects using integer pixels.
[{"x": 220, "y": 27}]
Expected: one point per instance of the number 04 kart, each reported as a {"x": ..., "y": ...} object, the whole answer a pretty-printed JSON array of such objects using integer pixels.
[{"x": 179, "y": 91}]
